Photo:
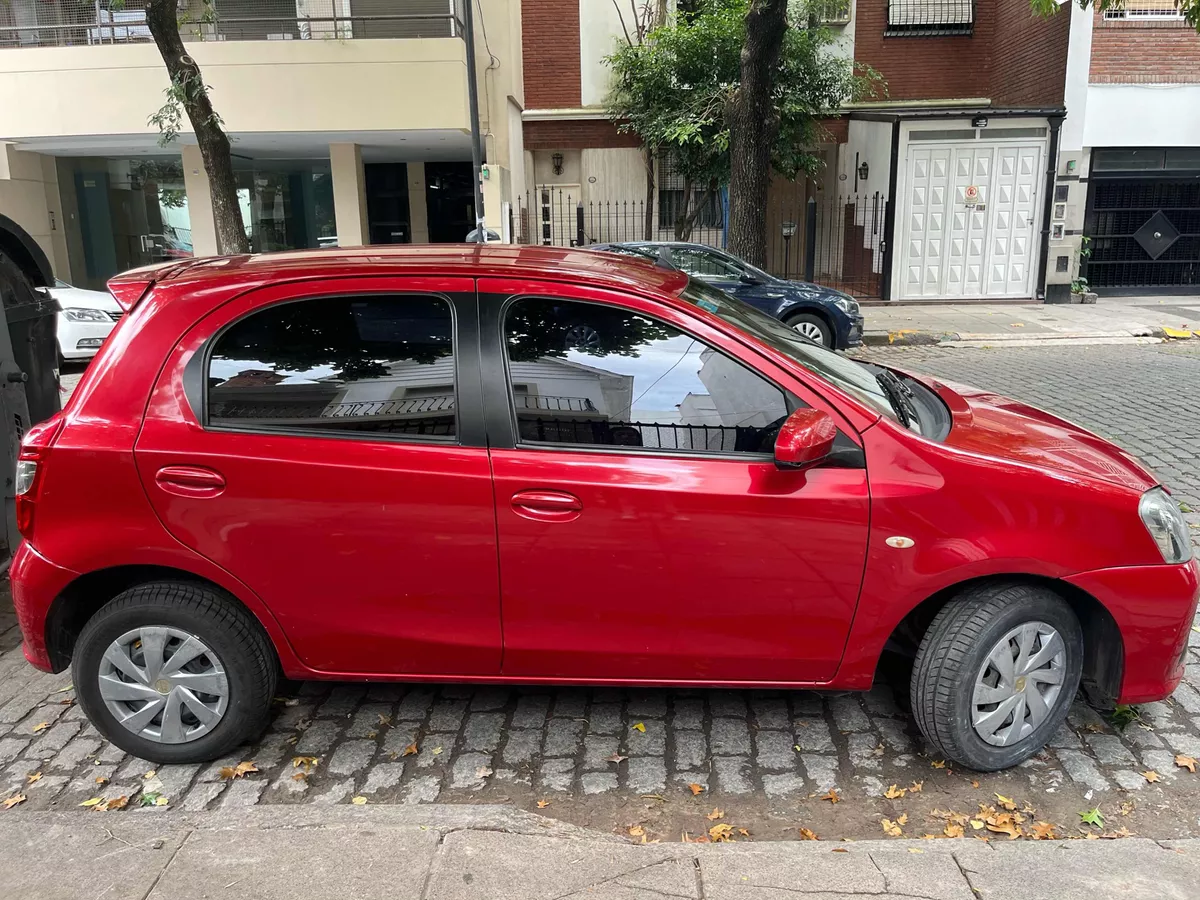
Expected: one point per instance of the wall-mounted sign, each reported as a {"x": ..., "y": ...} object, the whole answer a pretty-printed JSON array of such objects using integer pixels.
[
  {"x": 979, "y": 122},
  {"x": 971, "y": 195}
]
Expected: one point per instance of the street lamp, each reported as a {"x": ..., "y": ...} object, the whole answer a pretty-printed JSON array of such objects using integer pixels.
[{"x": 789, "y": 231}]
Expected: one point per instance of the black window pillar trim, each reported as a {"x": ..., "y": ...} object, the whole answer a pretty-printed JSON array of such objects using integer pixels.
[
  {"x": 1048, "y": 206},
  {"x": 497, "y": 416}
]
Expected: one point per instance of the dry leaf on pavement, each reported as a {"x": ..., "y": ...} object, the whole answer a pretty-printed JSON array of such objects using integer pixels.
[
  {"x": 93, "y": 802},
  {"x": 953, "y": 830},
  {"x": 40, "y": 727},
  {"x": 1004, "y": 823},
  {"x": 833, "y": 796},
  {"x": 542, "y": 804},
  {"x": 1151, "y": 776},
  {"x": 615, "y": 758},
  {"x": 895, "y": 793},
  {"x": 938, "y": 763},
  {"x": 1043, "y": 831},
  {"x": 721, "y": 833},
  {"x": 483, "y": 771},
  {"x": 807, "y": 834},
  {"x": 891, "y": 828},
  {"x": 13, "y": 801},
  {"x": 410, "y": 750},
  {"x": 743, "y": 832},
  {"x": 637, "y": 831},
  {"x": 359, "y": 801},
  {"x": 717, "y": 813},
  {"x": 916, "y": 787},
  {"x": 1006, "y": 802},
  {"x": 640, "y": 727},
  {"x": 385, "y": 719},
  {"x": 308, "y": 762},
  {"x": 35, "y": 777},
  {"x": 696, "y": 789},
  {"x": 228, "y": 773},
  {"x": 100, "y": 779},
  {"x": 1186, "y": 762}
]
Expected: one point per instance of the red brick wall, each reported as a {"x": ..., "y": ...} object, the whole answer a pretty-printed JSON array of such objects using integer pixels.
[
  {"x": 1029, "y": 56},
  {"x": 570, "y": 135},
  {"x": 550, "y": 48},
  {"x": 1145, "y": 52}
]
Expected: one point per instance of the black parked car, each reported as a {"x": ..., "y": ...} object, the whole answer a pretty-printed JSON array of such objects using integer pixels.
[{"x": 819, "y": 313}]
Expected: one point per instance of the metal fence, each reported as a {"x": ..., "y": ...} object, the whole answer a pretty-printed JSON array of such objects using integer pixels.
[
  {"x": 845, "y": 251},
  {"x": 59, "y": 23},
  {"x": 929, "y": 17}
]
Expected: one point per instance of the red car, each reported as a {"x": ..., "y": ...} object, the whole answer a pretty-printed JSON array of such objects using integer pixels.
[{"x": 555, "y": 466}]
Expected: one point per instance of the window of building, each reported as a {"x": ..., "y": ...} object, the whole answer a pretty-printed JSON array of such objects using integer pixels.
[
  {"x": 930, "y": 17},
  {"x": 1146, "y": 9},
  {"x": 590, "y": 374},
  {"x": 674, "y": 201},
  {"x": 286, "y": 204},
  {"x": 831, "y": 12},
  {"x": 380, "y": 365}
]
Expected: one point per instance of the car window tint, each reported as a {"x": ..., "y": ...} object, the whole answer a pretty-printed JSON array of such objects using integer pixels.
[
  {"x": 585, "y": 373},
  {"x": 338, "y": 364},
  {"x": 703, "y": 264}
]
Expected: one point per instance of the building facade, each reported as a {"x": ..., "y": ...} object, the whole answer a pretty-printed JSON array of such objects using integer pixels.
[
  {"x": 349, "y": 122},
  {"x": 1127, "y": 204}
]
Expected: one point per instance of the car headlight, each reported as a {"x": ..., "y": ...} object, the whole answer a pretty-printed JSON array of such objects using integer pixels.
[
  {"x": 848, "y": 305},
  {"x": 1166, "y": 525},
  {"x": 87, "y": 315}
]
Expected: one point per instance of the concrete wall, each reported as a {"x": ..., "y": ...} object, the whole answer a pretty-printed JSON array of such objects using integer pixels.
[{"x": 29, "y": 196}]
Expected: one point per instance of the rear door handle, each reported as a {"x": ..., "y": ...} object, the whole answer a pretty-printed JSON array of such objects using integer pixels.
[
  {"x": 190, "y": 481},
  {"x": 547, "y": 506}
]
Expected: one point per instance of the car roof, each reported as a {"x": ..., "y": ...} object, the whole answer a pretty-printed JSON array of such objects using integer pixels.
[{"x": 467, "y": 260}]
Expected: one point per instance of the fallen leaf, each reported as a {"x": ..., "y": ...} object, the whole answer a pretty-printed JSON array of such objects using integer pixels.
[
  {"x": 148, "y": 775},
  {"x": 228, "y": 773},
  {"x": 1092, "y": 817},
  {"x": 977, "y": 824},
  {"x": 717, "y": 813},
  {"x": 974, "y": 784},
  {"x": 35, "y": 777},
  {"x": 1186, "y": 762},
  {"x": 1121, "y": 832},
  {"x": 1151, "y": 776},
  {"x": 359, "y": 801},
  {"x": 915, "y": 850},
  {"x": 895, "y": 793},
  {"x": 63, "y": 690},
  {"x": 1017, "y": 325},
  {"x": 891, "y": 828},
  {"x": 385, "y": 719},
  {"x": 542, "y": 804},
  {"x": 743, "y": 832},
  {"x": 150, "y": 798},
  {"x": 659, "y": 797},
  {"x": 437, "y": 751},
  {"x": 114, "y": 803},
  {"x": 615, "y": 758},
  {"x": 410, "y": 750},
  {"x": 696, "y": 789},
  {"x": 915, "y": 787},
  {"x": 833, "y": 796},
  {"x": 952, "y": 830},
  {"x": 300, "y": 776},
  {"x": 40, "y": 727},
  {"x": 1004, "y": 823},
  {"x": 1127, "y": 807},
  {"x": 1006, "y": 802},
  {"x": 13, "y": 801},
  {"x": 1043, "y": 831},
  {"x": 721, "y": 832},
  {"x": 840, "y": 850},
  {"x": 309, "y": 762},
  {"x": 483, "y": 771},
  {"x": 640, "y": 727},
  {"x": 372, "y": 735},
  {"x": 100, "y": 779},
  {"x": 807, "y": 834},
  {"x": 938, "y": 763},
  {"x": 93, "y": 802},
  {"x": 903, "y": 820},
  {"x": 636, "y": 831}
]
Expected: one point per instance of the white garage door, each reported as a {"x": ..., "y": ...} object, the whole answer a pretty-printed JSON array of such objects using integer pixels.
[{"x": 958, "y": 249}]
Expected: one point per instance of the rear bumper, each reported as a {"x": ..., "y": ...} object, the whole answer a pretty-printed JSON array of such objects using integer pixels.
[
  {"x": 35, "y": 583},
  {"x": 1154, "y": 607}
]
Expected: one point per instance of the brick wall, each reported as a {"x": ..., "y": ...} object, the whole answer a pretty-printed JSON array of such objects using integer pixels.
[
  {"x": 576, "y": 135},
  {"x": 1029, "y": 56},
  {"x": 550, "y": 48},
  {"x": 1149, "y": 51}
]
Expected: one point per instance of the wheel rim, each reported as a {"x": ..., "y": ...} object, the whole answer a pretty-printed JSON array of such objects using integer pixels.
[
  {"x": 163, "y": 684},
  {"x": 810, "y": 330},
  {"x": 1019, "y": 684}
]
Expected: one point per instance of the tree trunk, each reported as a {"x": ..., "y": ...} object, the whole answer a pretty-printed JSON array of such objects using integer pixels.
[
  {"x": 162, "y": 18},
  {"x": 753, "y": 123},
  {"x": 651, "y": 159}
]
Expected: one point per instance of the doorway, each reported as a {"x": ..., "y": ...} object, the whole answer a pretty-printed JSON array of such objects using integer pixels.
[
  {"x": 387, "y": 203},
  {"x": 450, "y": 198}
]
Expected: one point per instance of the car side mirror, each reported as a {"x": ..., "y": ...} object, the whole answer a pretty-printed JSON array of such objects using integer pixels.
[
  {"x": 805, "y": 439},
  {"x": 746, "y": 278}
]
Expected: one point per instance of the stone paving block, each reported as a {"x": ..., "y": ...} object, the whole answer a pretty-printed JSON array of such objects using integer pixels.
[
  {"x": 599, "y": 782},
  {"x": 385, "y": 693},
  {"x": 688, "y": 712},
  {"x": 646, "y": 774},
  {"x": 774, "y": 751},
  {"x": 1129, "y": 780},
  {"x": 172, "y": 781},
  {"x": 399, "y": 738},
  {"x": 531, "y": 711},
  {"x": 287, "y": 782},
  {"x": 691, "y": 750},
  {"x": 447, "y": 715},
  {"x": 415, "y": 705},
  {"x": 880, "y": 701},
  {"x": 808, "y": 703},
  {"x": 727, "y": 703},
  {"x": 366, "y": 722},
  {"x": 466, "y": 773},
  {"x": 728, "y": 737},
  {"x": 423, "y": 789},
  {"x": 865, "y": 752},
  {"x": 383, "y": 776},
  {"x": 482, "y": 732},
  {"x": 343, "y": 699},
  {"x": 651, "y": 742},
  {"x": 732, "y": 774},
  {"x": 318, "y": 738},
  {"x": 351, "y": 757},
  {"x": 242, "y": 793},
  {"x": 771, "y": 712},
  {"x": 11, "y": 747},
  {"x": 50, "y": 741},
  {"x": 1109, "y": 750},
  {"x": 647, "y": 704},
  {"x": 486, "y": 699},
  {"x": 563, "y": 737},
  {"x": 814, "y": 736},
  {"x": 597, "y": 748},
  {"x": 1082, "y": 769},
  {"x": 556, "y": 774},
  {"x": 1065, "y": 738},
  {"x": 848, "y": 714},
  {"x": 435, "y": 750},
  {"x": 822, "y": 770},
  {"x": 605, "y": 718},
  {"x": 337, "y": 792},
  {"x": 783, "y": 785},
  {"x": 1181, "y": 742},
  {"x": 520, "y": 746},
  {"x": 570, "y": 704},
  {"x": 894, "y": 735}
]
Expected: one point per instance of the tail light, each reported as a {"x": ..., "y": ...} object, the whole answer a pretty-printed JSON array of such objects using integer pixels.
[{"x": 31, "y": 464}]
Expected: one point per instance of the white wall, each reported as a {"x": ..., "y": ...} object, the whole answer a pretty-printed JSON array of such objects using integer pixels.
[
  {"x": 599, "y": 31},
  {"x": 1142, "y": 115},
  {"x": 1079, "y": 64}
]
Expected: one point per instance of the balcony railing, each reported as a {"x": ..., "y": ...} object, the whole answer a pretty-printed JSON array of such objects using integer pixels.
[
  {"x": 68, "y": 23},
  {"x": 922, "y": 18}
]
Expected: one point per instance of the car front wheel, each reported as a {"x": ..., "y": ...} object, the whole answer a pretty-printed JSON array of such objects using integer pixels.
[
  {"x": 996, "y": 673},
  {"x": 175, "y": 672},
  {"x": 812, "y": 327}
]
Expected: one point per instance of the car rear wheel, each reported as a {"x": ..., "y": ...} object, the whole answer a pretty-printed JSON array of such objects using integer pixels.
[
  {"x": 996, "y": 673},
  {"x": 812, "y": 327},
  {"x": 175, "y": 672}
]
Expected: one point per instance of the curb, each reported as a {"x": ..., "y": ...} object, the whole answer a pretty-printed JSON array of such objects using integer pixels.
[{"x": 917, "y": 338}]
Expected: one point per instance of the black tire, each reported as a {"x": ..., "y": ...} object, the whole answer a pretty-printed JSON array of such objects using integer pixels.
[
  {"x": 812, "y": 319},
  {"x": 232, "y": 633},
  {"x": 955, "y": 647}
]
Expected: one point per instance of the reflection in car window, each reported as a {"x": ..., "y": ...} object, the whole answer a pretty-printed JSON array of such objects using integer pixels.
[
  {"x": 703, "y": 264},
  {"x": 338, "y": 364},
  {"x": 584, "y": 373}
]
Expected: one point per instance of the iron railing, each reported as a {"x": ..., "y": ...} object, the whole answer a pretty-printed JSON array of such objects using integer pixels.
[
  {"x": 929, "y": 17},
  {"x": 59, "y": 23}
]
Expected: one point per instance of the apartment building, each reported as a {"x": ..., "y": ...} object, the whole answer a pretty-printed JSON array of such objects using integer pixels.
[
  {"x": 1129, "y": 168},
  {"x": 349, "y": 122}
]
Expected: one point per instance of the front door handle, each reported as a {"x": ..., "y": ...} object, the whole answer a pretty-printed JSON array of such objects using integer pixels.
[
  {"x": 547, "y": 506},
  {"x": 190, "y": 481}
]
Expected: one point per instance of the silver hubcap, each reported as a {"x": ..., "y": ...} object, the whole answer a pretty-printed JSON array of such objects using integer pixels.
[
  {"x": 810, "y": 330},
  {"x": 164, "y": 685},
  {"x": 1019, "y": 684}
]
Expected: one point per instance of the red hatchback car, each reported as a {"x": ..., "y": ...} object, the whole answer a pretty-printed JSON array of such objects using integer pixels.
[{"x": 557, "y": 466}]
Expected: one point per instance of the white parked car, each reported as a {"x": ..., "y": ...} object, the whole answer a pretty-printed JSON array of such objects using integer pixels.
[{"x": 84, "y": 321}]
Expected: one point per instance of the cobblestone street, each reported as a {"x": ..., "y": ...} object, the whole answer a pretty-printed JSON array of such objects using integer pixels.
[{"x": 661, "y": 759}]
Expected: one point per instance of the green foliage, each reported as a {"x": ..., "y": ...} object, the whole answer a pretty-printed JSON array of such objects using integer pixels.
[
  {"x": 1189, "y": 8},
  {"x": 1122, "y": 715},
  {"x": 672, "y": 89},
  {"x": 169, "y": 118},
  {"x": 1092, "y": 817}
]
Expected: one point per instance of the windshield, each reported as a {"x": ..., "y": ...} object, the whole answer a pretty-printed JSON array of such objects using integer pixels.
[{"x": 852, "y": 377}]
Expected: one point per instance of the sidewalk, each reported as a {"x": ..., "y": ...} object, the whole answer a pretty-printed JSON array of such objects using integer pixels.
[
  {"x": 486, "y": 853},
  {"x": 1109, "y": 320}
]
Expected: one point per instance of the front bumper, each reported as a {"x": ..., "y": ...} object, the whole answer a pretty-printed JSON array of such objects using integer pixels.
[
  {"x": 1154, "y": 607},
  {"x": 90, "y": 334},
  {"x": 854, "y": 334},
  {"x": 35, "y": 582}
]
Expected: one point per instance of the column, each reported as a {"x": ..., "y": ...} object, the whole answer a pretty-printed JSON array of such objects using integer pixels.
[
  {"x": 497, "y": 188},
  {"x": 199, "y": 197},
  {"x": 418, "y": 211},
  {"x": 349, "y": 195}
]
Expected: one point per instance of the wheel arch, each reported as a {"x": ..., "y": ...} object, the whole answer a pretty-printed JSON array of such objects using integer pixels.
[
  {"x": 813, "y": 308},
  {"x": 1104, "y": 650}
]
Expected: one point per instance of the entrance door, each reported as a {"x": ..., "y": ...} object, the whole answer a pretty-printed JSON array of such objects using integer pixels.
[{"x": 961, "y": 243}]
